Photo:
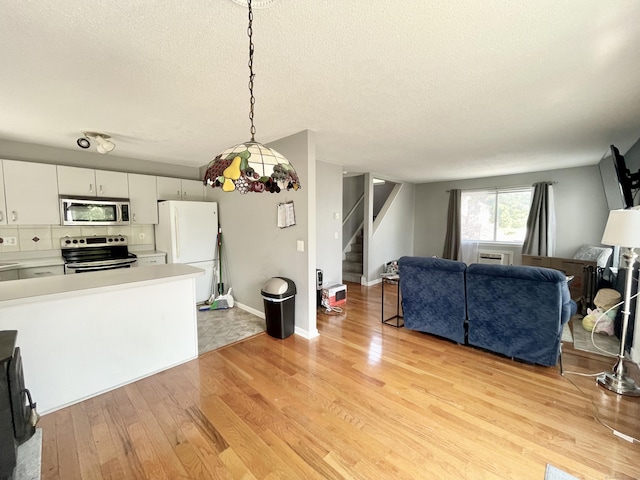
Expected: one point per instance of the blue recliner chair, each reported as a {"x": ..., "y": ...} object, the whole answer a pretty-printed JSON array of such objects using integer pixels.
[
  {"x": 433, "y": 296},
  {"x": 518, "y": 311}
]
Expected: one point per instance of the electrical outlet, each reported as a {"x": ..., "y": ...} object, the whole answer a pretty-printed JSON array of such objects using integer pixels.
[
  {"x": 10, "y": 241},
  {"x": 141, "y": 235},
  {"x": 301, "y": 245}
]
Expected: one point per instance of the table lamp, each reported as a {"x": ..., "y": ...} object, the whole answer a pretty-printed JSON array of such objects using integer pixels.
[{"x": 622, "y": 230}]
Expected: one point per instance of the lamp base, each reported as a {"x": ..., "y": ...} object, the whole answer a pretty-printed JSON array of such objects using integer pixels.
[{"x": 622, "y": 385}]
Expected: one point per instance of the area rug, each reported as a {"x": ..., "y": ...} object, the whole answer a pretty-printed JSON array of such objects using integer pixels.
[
  {"x": 582, "y": 339},
  {"x": 553, "y": 473},
  {"x": 219, "y": 328}
]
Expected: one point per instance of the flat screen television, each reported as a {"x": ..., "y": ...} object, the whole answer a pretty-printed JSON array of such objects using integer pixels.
[{"x": 618, "y": 182}]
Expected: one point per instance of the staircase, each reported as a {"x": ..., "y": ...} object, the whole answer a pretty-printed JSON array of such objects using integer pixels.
[{"x": 352, "y": 265}]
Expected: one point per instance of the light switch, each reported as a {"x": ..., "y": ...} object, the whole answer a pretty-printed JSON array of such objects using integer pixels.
[
  {"x": 335, "y": 234},
  {"x": 301, "y": 245},
  {"x": 336, "y": 215}
]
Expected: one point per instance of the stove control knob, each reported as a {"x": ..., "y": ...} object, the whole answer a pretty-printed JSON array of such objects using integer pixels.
[
  {"x": 67, "y": 242},
  {"x": 75, "y": 241},
  {"x": 111, "y": 239},
  {"x": 82, "y": 241},
  {"x": 122, "y": 239}
]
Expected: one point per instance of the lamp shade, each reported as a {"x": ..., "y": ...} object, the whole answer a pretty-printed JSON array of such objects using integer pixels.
[
  {"x": 622, "y": 229},
  {"x": 251, "y": 167}
]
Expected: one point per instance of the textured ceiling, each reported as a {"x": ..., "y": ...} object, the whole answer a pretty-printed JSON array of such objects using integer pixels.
[{"x": 416, "y": 91}]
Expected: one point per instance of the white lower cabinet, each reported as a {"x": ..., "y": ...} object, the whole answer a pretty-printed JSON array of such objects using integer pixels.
[
  {"x": 39, "y": 272},
  {"x": 147, "y": 260},
  {"x": 8, "y": 275}
]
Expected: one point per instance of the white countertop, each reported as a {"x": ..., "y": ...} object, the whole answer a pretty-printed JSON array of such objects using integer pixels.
[
  {"x": 30, "y": 262},
  {"x": 29, "y": 290}
]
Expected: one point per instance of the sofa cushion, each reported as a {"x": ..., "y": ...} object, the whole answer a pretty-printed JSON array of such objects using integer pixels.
[
  {"x": 517, "y": 310},
  {"x": 433, "y": 296}
]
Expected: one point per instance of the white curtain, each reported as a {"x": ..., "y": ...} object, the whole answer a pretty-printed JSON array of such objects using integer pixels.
[
  {"x": 540, "y": 238},
  {"x": 469, "y": 251}
]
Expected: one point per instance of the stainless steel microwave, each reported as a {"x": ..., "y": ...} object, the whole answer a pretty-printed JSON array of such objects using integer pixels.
[{"x": 94, "y": 211}]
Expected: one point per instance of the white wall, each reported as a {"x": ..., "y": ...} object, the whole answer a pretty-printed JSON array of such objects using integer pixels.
[
  {"x": 581, "y": 207},
  {"x": 391, "y": 235},
  {"x": 328, "y": 228},
  {"x": 352, "y": 190},
  {"x": 256, "y": 249},
  {"x": 76, "y": 157}
]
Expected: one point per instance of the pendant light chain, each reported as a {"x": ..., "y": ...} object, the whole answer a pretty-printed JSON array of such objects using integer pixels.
[
  {"x": 251, "y": 74},
  {"x": 251, "y": 166}
]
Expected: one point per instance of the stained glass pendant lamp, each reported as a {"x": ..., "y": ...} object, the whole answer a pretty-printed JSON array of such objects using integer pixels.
[{"x": 251, "y": 166}]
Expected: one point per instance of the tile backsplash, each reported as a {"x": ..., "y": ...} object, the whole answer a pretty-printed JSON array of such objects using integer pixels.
[{"x": 31, "y": 238}]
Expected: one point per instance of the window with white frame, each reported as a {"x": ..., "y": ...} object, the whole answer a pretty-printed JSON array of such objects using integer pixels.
[{"x": 498, "y": 215}]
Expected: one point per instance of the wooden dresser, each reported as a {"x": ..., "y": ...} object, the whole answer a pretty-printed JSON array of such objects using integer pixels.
[{"x": 584, "y": 272}]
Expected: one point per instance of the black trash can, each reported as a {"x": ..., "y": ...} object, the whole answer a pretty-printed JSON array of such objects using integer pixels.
[{"x": 279, "y": 296}]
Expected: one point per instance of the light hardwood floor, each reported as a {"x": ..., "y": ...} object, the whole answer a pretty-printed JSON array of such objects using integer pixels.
[{"x": 363, "y": 400}]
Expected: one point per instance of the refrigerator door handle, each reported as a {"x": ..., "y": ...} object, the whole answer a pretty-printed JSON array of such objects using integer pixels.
[{"x": 177, "y": 230}]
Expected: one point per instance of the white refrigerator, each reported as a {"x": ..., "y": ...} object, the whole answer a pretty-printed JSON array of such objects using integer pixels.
[{"x": 187, "y": 232}]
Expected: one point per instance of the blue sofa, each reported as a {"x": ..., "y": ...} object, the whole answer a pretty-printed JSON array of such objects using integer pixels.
[
  {"x": 511, "y": 310},
  {"x": 433, "y": 296}
]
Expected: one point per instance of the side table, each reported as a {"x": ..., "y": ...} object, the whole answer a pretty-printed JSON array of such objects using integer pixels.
[{"x": 396, "y": 320}]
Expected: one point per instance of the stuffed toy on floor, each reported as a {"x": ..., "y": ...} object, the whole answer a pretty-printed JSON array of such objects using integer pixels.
[{"x": 605, "y": 300}]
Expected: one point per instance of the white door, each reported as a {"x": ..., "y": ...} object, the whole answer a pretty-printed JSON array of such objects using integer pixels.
[
  {"x": 204, "y": 283},
  {"x": 196, "y": 228}
]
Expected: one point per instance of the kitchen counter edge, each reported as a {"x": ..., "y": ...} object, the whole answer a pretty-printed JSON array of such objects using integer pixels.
[{"x": 15, "y": 292}]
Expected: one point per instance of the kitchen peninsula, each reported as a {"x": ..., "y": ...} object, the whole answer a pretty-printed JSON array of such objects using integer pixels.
[{"x": 82, "y": 335}]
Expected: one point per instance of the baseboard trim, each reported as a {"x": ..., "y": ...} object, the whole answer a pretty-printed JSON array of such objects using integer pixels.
[
  {"x": 298, "y": 331},
  {"x": 306, "y": 334},
  {"x": 251, "y": 310}
]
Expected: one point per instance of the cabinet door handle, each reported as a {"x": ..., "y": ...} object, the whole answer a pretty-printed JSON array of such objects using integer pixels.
[
  {"x": 1, "y": 216},
  {"x": 134, "y": 217},
  {"x": 14, "y": 215},
  {"x": 178, "y": 195},
  {"x": 91, "y": 188},
  {"x": 101, "y": 190},
  {"x": 184, "y": 195}
]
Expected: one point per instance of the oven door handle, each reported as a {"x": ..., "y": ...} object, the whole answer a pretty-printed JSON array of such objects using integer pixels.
[{"x": 106, "y": 263}]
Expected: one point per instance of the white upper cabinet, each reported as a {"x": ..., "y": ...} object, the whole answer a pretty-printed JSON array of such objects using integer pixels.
[
  {"x": 76, "y": 181},
  {"x": 142, "y": 195},
  {"x": 169, "y": 188},
  {"x": 3, "y": 204},
  {"x": 192, "y": 190},
  {"x": 112, "y": 184},
  {"x": 180, "y": 189},
  {"x": 31, "y": 193},
  {"x": 92, "y": 183}
]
